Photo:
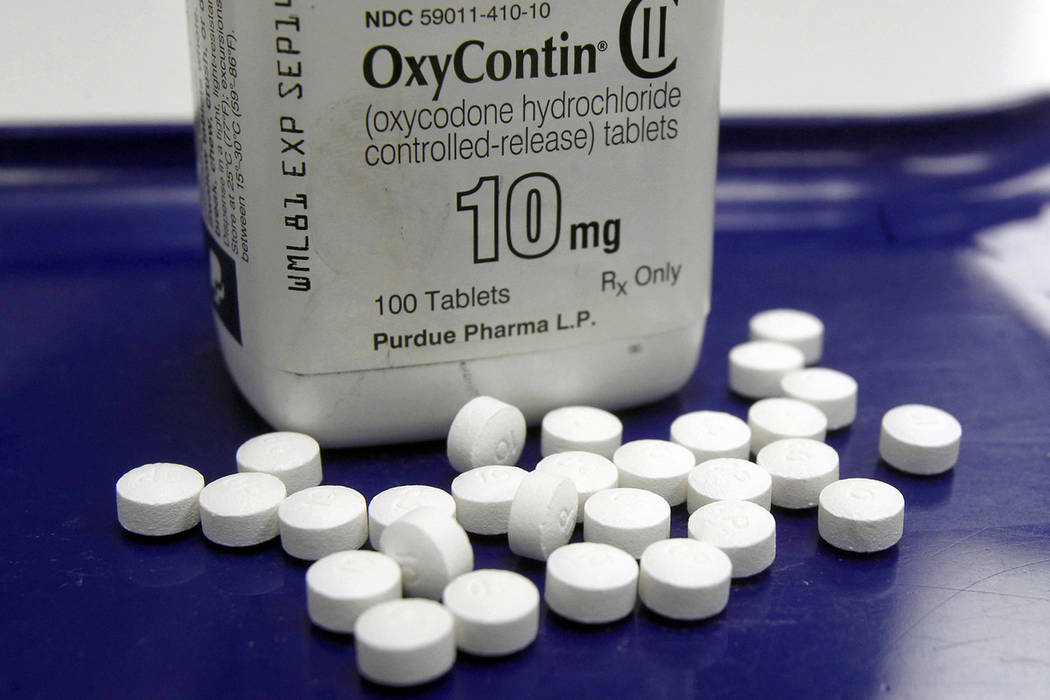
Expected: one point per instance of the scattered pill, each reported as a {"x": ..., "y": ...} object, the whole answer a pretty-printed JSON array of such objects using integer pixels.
[
  {"x": 387, "y": 506},
  {"x": 628, "y": 518},
  {"x": 589, "y": 472},
  {"x": 542, "y": 515},
  {"x": 294, "y": 458},
  {"x": 320, "y": 520},
  {"x": 432, "y": 549},
  {"x": 485, "y": 431},
  {"x": 779, "y": 418},
  {"x": 590, "y": 582},
  {"x": 582, "y": 428},
  {"x": 800, "y": 469},
  {"x": 920, "y": 439},
  {"x": 756, "y": 367},
  {"x": 159, "y": 499},
  {"x": 798, "y": 328},
  {"x": 659, "y": 466},
  {"x": 496, "y": 612},
  {"x": 684, "y": 579},
  {"x": 240, "y": 510},
  {"x": 483, "y": 497},
  {"x": 712, "y": 434},
  {"x": 861, "y": 515},
  {"x": 833, "y": 392},
  {"x": 728, "y": 479},
  {"x": 405, "y": 642},
  {"x": 745, "y": 531},
  {"x": 342, "y": 585}
]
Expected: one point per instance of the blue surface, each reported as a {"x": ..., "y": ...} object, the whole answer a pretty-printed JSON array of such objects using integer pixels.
[{"x": 109, "y": 361}]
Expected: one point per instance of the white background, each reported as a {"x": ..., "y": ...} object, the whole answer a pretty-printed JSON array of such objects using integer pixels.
[{"x": 105, "y": 61}]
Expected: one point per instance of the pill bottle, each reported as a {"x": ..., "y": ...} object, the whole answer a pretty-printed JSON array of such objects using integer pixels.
[{"x": 408, "y": 205}]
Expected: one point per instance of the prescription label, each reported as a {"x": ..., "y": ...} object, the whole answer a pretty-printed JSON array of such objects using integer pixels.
[{"x": 404, "y": 184}]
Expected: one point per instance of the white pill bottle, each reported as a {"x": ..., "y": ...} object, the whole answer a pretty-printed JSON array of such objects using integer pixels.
[{"x": 411, "y": 204}]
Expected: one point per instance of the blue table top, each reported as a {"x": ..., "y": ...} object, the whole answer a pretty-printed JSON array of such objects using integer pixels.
[{"x": 109, "y": 361}]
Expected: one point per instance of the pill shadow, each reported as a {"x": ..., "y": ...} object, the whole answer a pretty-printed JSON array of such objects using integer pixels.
[
  {"x": 885, "y": 556},
  {"x": 864, "y": 574},
  {"x": 439, "y": 687},
  {"x": 243, "y": 552},
  {"x": 564, "y": 624},
  {"x": 328, "y": 637},
  {"x": 158, "y": 540},
  {"x": 924, "y": 491},
  {"x": 161, "y": 562},
  {"x": 657, "y": 620}
]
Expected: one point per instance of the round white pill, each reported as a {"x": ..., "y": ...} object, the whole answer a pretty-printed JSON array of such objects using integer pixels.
[
  {"x": 590, "y": 582},
  {"x": 800, "y": 469},
  {"x": 756, "y": 367},
  {"x": 861, "y": 515},
  {"x": 294, "y": 458},
  {"x": 341, "y": 586},
  {"x": 542, "y": 515},
  {"x": 798, "y": 328},
  {"x": 631, "y": 519},
  {"x": 240, "y": 510},
  {"x": 712, "y": 434},
  {"x": 745, "y": 531},
  {"x": 485, "y": 431},
  {"x": 432, "y": 549},
  {"x": 779, "y": 418},
  {"x": 920, "y": 439},
  {"x": 320, "y": 520},
  {"x": 728, "y": 479},
  {"x": 582, "y": 428},
  {"x": 159, "y": 499},
  {"x": 497, "y": 612},
  {"x": 589, "y": 472},
  {"x": 684, "y": 579},
  {"x": 387, "y": 506},
  {"x": 833, "y": 392},
  {"x": 655, "y": 465},
  {"x": 483, "y": 497},
  {"x": 405, "y": 642}
]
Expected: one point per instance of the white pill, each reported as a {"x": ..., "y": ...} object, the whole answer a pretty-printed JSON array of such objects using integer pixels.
[
  {"x": 341, "y": 586},
  {"x": 779, "y": 418},
  {"x": 833, "y": 392},
  {"x": 589, "y": 472},
  {"x": 745, "y": 531},
  {"x": 756, "y": 367},
  {"x": 497, "y": 612},
  {"x": 800, "y": 469},
  {"x": 294, "y": 458},
  {"x": 728, "y": 479},
  {"x": 387, "y": 506},
  {"x": 405, "y": 642},
  {"x": 485, "y": 431},
  {"x": 920, "y": 439},
  {"x": 798, "y": 328},
  {"x": 240, "y": 510},
  {"x": 432, "y": 549},
  {"x": 655, "y": 465},
  {"x": 861, "y": 515},
  {"x": 320, "y": 520},
  {"x": 631, "y": 519},
  {"x": 543, "y": 515},
  {"x": 712, "y": 434},
  {"x": 483, "y": 497},
  {"x": 684, "y": 579},
  {"x": 590, "y": 582},
  {"x": 159, "y": 499},
  {"x": 582, "y": 428}
]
